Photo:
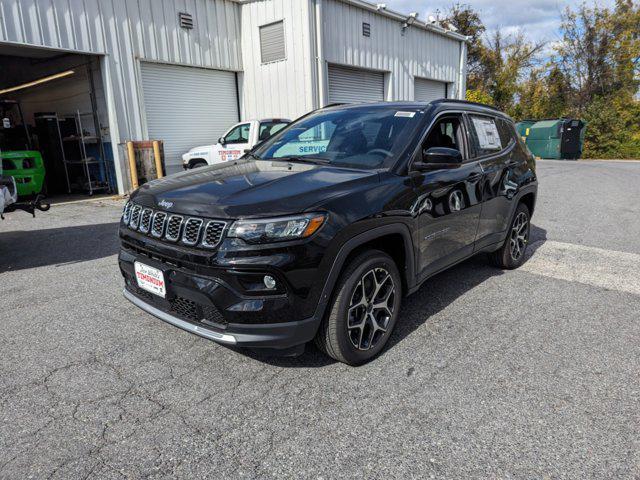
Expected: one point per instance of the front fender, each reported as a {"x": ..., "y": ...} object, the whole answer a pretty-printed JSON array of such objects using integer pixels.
[{"x": 350, "y": 245}]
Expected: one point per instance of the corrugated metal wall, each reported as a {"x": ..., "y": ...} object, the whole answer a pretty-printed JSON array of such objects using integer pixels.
[
  {"x": 128, "y": 30},
  {"x": 418, "y": 52},
  {"x": 197, "y": 113},
  {"x": 283, "y": 88}
]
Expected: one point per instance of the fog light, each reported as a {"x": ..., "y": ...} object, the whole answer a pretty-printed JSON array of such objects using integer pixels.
[{"x": 269, "y": 282}]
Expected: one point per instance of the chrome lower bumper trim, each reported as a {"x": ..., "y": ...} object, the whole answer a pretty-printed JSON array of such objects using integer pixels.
[{"x": 189, "y": 327}]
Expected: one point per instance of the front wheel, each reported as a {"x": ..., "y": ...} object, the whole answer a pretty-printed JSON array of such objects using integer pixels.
[
  {"x": 364, "y": 309},
  {"x": 512, "y": 254},
  {"x": 198, "y": 164}
]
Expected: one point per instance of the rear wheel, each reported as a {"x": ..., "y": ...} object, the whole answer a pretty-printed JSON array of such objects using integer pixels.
[
  {"x": 512, "y": 253},
  {"x": 364, "y": 309}
]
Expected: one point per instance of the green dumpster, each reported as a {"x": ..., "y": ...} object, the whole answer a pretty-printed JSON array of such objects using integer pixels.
[
  {"x": 560, "y": 139},
  {"x": 523, "y": 128},
  {"x": 27, "y": 168}
]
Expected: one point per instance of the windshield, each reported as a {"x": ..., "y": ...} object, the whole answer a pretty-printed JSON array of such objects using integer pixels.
[{"x": 368, "y": 137}]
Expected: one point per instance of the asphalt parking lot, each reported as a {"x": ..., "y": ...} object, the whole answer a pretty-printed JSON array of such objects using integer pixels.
[{"x": 532, "y": 373}]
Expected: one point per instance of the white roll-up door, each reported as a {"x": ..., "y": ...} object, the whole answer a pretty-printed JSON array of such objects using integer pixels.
[
  {"x": 428, "y": 90},
  {"x": 353, "y": 85},
  {"x": 187, "y": 107}
]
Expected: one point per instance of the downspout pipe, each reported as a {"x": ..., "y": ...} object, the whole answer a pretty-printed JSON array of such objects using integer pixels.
[
  {"x": 320, "y": 63},
  {"x": 462, "y": 72}
]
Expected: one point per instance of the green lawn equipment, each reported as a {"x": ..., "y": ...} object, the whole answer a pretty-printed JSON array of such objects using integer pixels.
[{"x": 27, "y": 169}]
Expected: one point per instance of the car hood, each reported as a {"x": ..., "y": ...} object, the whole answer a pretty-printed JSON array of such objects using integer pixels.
[
  {"x": 248, "y": 188},
  {"x": 200, "y": 148}
]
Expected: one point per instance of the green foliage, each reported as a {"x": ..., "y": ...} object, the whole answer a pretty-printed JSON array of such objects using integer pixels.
[
  {"x": 612, "y": 128},
  {"x": 593, "y": 73},
  {"x": 479, "y": 96}
]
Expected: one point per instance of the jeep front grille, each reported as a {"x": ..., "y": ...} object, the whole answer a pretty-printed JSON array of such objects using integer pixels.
[
  {"x": 135, "y": 217},
  {"x": 126, "y": 213},
  {"x": 173, "y": 228},
  {"x": 157, "y": 230},
  {"x": 213, "y": 234},
  {"x": 145, "y": 220},
  {"x": 189, "y": 231}
]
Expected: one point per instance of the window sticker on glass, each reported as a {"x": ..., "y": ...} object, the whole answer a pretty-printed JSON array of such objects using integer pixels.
[
  {"x": 405, "y": 114},
  {"x": 488, "y": 137}
]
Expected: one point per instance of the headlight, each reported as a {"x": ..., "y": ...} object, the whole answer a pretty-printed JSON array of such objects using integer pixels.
[{"x": 266, "y": 230}]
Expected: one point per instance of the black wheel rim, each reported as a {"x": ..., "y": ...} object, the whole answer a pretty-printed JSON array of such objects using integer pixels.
[
  {"x": 519, "y": 235},
  {"x": 371, "y": 308}
]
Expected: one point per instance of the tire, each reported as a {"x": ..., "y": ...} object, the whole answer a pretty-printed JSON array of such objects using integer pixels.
[
  {"x": 513, "y": 252},
  {"x": 198, "y": 164},
  {"x": 354, "y": 330}
]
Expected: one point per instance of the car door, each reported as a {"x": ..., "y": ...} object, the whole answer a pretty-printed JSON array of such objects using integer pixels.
[
  {"x": 447, "y": 202},
  {"x": 236, "y": 141},
  {"x": 493, "y": 144}
]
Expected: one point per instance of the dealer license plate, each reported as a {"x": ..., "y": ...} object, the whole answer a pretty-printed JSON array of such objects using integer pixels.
[{"x": 150, "y": 279}]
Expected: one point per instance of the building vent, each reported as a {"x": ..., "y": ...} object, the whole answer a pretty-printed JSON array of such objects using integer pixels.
[
  {"x": 186, "y": 20},
  {"x": 366, "y": 29},
  {"x": 272, "y": 42}
]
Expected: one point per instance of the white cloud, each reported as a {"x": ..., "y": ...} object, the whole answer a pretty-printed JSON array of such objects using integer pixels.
[{"x": 538, "y": 19}]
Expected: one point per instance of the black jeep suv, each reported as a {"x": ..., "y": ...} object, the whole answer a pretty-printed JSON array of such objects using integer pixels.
[{"x": 320, "y": 231}]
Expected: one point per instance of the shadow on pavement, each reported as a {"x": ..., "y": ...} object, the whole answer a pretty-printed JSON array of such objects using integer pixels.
[
  {"x": 24, "y": 249},
  {"x": 432, "y": 297}
]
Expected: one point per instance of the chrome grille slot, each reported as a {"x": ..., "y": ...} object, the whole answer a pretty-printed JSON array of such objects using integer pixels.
[
  {"x": 191, "y": 232},
  {"x": 213, "y": 234},
  {"x": 145, "y": 220},
  {"x": 157, "y": 228},
  {"x": 126, "y": 213},
  {"x": 135, "y": 217},
  {"x": 173, "y": 228}
]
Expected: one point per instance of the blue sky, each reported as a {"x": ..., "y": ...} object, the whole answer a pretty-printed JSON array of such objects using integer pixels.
[{"x": 538, "y": 19}]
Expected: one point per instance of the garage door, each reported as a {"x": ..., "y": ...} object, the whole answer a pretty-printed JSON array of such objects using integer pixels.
[
  {"x": 352, "y": 85},
  {"x": 428, "y": 90},
  {"x": 187, "y": 107}
]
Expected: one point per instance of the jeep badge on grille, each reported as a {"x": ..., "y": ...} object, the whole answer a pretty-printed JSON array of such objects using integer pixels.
[{"x": 165, "y": 204}]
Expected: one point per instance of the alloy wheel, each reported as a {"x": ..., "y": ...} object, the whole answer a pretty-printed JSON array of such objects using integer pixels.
[
  {"x": 519, "y": 235},
  {"x": 371, "y": 308}
]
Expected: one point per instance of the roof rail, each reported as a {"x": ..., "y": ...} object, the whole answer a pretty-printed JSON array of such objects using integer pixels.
[
  {"x": 466, "y": 102},
  {"x": 335, "y": 104}
]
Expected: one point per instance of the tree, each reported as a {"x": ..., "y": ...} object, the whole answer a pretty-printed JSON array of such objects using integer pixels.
[
  {"x": 504, "y": 62},
  {"x": 495, "y": 64},
  {"x": 543, "y": 95},
  {"x": 468, "y": 23}
]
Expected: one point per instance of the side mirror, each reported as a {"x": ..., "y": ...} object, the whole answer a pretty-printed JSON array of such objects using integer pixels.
[
  {"x": 436, "y": 158},
  {"x": 221, "y": 141}
]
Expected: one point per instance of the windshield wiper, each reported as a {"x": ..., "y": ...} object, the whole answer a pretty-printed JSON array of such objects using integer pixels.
[
  {"x": 253, "y": 155},
  {"x": 303, "y": 159}
]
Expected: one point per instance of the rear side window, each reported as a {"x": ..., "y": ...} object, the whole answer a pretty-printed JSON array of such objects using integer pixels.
[
  {"x": 484, "y": 135},
  {"x": 506, "y": 131},
  {"x": 270, "y": 128}
]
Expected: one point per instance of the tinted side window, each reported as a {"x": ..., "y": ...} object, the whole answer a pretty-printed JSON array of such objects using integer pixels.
[
  {"x": 484, "y": 135},
  {"x": 506, "y": 131}
]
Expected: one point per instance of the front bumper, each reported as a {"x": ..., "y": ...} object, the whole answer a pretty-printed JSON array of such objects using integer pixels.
[
  {"x": 274, "y": 335},
  {"x": 213, "y": 306}
]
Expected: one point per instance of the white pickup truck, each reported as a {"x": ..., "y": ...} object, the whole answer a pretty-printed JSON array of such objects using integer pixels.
[{"x": 239, "y": 139}]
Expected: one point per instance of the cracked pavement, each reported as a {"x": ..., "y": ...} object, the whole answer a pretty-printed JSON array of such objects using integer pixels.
[{"x": 522, "y": 374}]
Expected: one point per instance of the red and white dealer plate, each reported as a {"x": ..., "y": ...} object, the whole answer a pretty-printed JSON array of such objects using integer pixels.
[{"x": 150, "y": 279}]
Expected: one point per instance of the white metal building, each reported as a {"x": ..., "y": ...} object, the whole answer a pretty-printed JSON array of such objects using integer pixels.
[{"x": 183, "y": 71}]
